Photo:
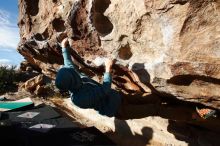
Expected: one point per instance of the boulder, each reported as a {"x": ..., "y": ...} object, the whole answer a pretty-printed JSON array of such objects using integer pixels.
[
  {"x": 152, "y": 130},
  {"x": 168, "y": 47},
  {"x": 40, "y": 90},
  {"x": 31, "y": 84}
]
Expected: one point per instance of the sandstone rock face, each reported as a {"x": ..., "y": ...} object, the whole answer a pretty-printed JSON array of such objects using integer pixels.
[
  {"x": 173, "y": 46},
  {"x": 149, "y": 131},
  {"x": 34, "y": 82},
  {"x": 37, "y": 85}
]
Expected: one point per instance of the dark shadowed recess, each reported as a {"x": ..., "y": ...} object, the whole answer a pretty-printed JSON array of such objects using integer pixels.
[
  {"x": 101, "y": 23},
  {"x": 42, "y": 37},
  {"x": 188, "y": 79},
  {"x": 125, "y": 52},
  {"x": 58, "y": 25},
  {"x": 32, "y": 7}
]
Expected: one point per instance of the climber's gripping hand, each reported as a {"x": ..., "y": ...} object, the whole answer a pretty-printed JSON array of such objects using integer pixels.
[
  {"x": 65, "y": 43},
  {"x": 108, "y": 65}
]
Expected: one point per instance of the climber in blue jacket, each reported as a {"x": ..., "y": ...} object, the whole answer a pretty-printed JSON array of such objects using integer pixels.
[{"x": 85, "y": 92}]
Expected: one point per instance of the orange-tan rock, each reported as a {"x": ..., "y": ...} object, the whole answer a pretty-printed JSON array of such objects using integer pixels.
[{"x": 172, "y": 45}]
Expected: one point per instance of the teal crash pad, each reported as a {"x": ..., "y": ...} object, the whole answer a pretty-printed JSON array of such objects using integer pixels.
[{"x": 12, "y": 105}]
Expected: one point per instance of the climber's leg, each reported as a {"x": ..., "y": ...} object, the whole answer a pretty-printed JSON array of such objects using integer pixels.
[
  {"x": 128, "y": 111},
  {"x": 141, "y": 98}
]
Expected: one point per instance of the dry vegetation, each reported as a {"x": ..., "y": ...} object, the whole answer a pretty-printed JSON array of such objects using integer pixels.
[{"x": 8, "y": 78}]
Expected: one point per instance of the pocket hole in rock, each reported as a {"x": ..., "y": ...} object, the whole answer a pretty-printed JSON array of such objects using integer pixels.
[
  {"x": 125, "y": 52},
  {"x": 101, "y": 5},
  {"x": 42, "y": 37},
  {"x": 101, "y": 23},
  {"x": 32, "y": 7},
  {"x": 58, "y": 25}
]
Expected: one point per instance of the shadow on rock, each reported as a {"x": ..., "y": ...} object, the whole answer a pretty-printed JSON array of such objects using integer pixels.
[
  {"x": 129, "y": 137},
  {"x": 193, "y": 135}
]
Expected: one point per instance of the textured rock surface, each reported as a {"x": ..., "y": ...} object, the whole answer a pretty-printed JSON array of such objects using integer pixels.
[
  {"x": 31, "y": 84},
  {"x": 155, "y": 131},
  {"x": 38, "y": 85},
  {"x": 172, "y": 45}
]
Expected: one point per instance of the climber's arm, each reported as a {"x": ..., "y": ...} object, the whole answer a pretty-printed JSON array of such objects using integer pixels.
[
  {"x": 66, "y": 54},
  {"x": 107, "y": 81}
]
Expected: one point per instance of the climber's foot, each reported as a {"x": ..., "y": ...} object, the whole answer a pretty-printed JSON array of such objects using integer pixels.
[{"x": 205, "y": 113}]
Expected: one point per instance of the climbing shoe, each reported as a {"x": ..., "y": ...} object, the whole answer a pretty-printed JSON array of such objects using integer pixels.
[{"x": 206, "y": 113}]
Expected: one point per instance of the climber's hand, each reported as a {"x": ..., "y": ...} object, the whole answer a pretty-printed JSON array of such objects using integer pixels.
[
  {"x": 64, "y": 43},
  {"x": 108, "y": 65}
]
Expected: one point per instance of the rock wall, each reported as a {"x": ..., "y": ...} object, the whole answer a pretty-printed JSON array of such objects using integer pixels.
[{"x": 173, "y": 46}]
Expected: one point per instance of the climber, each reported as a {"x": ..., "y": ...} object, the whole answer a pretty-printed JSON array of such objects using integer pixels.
[{"x": 87, "y": 93}]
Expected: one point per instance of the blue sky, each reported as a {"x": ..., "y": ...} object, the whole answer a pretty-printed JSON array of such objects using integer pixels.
[{"x": 9, "y": 33}]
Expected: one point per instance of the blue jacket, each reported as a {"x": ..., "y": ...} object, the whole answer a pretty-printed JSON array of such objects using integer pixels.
[{"x": 85, "y": 92}]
